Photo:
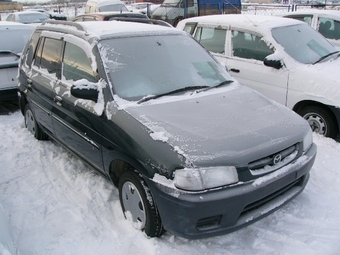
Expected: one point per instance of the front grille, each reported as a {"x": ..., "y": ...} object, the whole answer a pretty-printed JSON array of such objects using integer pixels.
[{"x": 275, "y": 160}]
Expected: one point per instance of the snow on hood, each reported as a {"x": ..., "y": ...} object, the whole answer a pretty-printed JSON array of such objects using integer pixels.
[{"x": 236, "y": 125}]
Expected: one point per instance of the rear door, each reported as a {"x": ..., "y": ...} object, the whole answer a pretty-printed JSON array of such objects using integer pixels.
[{"x": 41, "y": 81}]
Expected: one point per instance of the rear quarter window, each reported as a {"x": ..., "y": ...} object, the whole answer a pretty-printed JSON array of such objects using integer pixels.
[{"x": 32, "y": 47}]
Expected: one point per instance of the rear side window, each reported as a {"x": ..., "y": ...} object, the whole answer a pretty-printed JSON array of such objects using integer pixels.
[
  {"x": 190, "y": 27},
  {"x": 329, "y": 28},
  {"x": 211, "y": 38},
  {"x": 304, "y": 18},
  {"x": 76, "y": 64},
  {"x": 48, "y": 55}
]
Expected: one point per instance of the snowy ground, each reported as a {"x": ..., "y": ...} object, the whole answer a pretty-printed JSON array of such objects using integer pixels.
[{"x": 56, "y": 205}]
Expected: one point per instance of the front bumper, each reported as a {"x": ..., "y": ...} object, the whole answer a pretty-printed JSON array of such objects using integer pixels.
[{"x": 195, "y": 215}]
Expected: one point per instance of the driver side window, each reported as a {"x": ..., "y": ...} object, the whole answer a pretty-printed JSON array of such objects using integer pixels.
[
  {"x": 250, "y": 46},
  {"x": 76, "y": 64}
]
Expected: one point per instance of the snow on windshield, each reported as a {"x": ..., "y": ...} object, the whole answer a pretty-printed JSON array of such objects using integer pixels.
[
  {"x": 302, "y": 43},
  {"x": 158, "y": 65}
]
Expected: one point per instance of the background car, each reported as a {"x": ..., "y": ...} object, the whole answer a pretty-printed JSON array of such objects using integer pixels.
[
  {"x": 120, "y": 16},
  {"x": 105, "y": 6},
  {"x": 143, "y": 7},
  {"x": 50, "y": 15},
  {"x": 14, "y": 38},
  {"x": 284, "y": 59},
  {"x": 27, "y": 17},
  {"x": 326, "y": 22},
  {"x": 105, "y": 16}
]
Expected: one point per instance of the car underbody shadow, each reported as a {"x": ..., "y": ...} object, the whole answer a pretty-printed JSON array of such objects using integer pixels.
[{"x": 8, "y": 107}]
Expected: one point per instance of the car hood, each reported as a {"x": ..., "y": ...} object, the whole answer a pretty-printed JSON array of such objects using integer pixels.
[{"x": 231, "y": 125}]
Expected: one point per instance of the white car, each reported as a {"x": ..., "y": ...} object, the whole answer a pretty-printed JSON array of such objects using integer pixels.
[
  {"x": 284, "y": 59},
  {"x": 327, "y": 22}
]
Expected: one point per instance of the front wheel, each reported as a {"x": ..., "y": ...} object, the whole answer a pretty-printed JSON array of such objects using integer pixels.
[
  {"x": 320, "y": 120},
  {"x": 32, "y": 125},
  {"x": 138, "y": 205}
]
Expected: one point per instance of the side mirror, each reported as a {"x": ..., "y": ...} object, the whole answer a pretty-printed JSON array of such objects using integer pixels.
[
  {"x": 273, "y": 61},
  {"x": 83, "y": 92}
]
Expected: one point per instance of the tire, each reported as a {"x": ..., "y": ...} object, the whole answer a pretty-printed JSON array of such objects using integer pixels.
[
  {"x": 320, "y": 120},
  {"x": 32, "y": 125},
  {"x": 138, "y": 205}
]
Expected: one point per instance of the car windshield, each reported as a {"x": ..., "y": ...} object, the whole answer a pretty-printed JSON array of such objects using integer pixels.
[
  {"x": 155, "y": 65},
  {"x": 15, "y": 39},
  {"x": 303, "y": 43},
  {"x": 32, "y": 17},
  {"x": 113, "y": 7}
]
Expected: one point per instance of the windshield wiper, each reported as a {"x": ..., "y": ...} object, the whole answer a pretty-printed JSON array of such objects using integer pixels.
[
  {"x": 216, "y": 86},
  {"x": 326, "y": 56},
  {"x": 10, "y": 52},
  {"x": 147, "y": 98}
]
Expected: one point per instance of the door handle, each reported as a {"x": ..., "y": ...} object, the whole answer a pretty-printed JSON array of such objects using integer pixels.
[
  {"x": 29, "y": 83},
  {"x": 58, "y": 100},
  {"x": 234, "y": 70}
]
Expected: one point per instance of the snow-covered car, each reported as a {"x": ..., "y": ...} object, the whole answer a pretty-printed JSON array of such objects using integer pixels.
[
  {"x": 50, "y": 15},
  {"x": 326, "y": 22},
  {"x": 191, "y": 150},
  {"x": 14, "y": 38},
  {"x": 284, "y": 59},
  {"x": 27, "y": 17}
]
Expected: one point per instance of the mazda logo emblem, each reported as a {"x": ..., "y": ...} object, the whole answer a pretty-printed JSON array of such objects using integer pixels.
[{"x": 277, "y": 159}]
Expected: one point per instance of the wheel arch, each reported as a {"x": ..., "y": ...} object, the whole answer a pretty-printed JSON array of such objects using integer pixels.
[
  {"x": 332, "y": 110},
  {"x": 119, "y": 165}
]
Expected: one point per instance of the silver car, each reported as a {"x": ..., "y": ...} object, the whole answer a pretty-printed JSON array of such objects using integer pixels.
[{"x": 14, "y": 38}]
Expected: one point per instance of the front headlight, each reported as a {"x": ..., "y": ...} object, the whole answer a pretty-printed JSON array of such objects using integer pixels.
[
  {"x": 195, "y": 179},
  {"x": 307, "y": 140}
]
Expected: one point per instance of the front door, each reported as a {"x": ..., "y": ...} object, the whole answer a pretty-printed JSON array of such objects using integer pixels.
[{"x": 77, "y": 122}]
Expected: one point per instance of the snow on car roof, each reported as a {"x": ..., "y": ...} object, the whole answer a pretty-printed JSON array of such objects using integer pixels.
[{"x": 242, "y": 20}]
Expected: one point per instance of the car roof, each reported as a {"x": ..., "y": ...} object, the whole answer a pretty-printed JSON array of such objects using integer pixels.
[
  {"x": 104, "y": 29},
  {"x": 315, "y": 11},
  {"x": 256, "y": 22}
]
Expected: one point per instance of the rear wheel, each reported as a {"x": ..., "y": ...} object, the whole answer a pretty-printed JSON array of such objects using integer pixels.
[
  {"x": 32, "y": 125},
  {"x": 138, "y": 205},
  {"x": 320, "y": 120}
]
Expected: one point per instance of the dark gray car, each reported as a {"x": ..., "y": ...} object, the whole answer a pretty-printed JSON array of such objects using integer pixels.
[{"x": 191, "y": 150}]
